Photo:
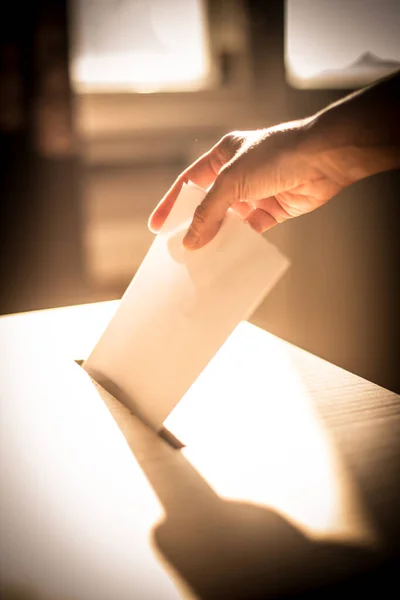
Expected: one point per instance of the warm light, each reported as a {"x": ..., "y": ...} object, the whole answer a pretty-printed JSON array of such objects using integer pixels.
[
  {"x": 252, "y": 432},
  {"x": 85, "y": 486},
  {"x": 250, "y": 429},
  {"x": 341, "y": 44},
  {"x": 68, "y": 484},
  {"x": 71, "y": 332},
  {"x": 237, "y": 423},
  {"x": 140, "y": 46}
]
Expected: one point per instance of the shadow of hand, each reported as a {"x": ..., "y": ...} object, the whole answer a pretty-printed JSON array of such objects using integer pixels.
[
  {"x": 233, "y": 550},
  {"x": 229, "y": 549}
]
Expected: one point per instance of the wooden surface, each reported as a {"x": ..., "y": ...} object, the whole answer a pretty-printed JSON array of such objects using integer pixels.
[{"x": 287, "y": 479}]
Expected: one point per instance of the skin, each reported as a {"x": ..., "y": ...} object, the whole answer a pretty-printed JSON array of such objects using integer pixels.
[{"x": 270, "y": 175}]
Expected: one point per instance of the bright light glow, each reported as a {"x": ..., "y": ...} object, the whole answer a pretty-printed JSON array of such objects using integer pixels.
[
  {"x": 141, "y": 46},
  {"x": 75, "y": 506},
  {"x": 253, "y": 434},
  {"x": 259, "y": 419},
  {"x": 79, "y": 503},
  {"x": 70, "y": 332},
  {"x": 346, "y": 43}
]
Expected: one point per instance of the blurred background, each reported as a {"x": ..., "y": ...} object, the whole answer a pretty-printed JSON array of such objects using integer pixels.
[{"x": 104, "y": 102}]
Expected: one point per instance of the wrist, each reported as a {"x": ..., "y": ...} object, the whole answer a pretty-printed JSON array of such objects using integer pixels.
[{"x": 348, "y": 148}]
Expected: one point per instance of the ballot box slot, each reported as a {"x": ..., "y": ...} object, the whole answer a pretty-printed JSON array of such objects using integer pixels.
[{"x": 164, "y": 433}]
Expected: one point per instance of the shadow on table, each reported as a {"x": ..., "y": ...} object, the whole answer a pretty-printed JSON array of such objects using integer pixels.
[
  {"x": 229, "y": 549},
  {"x": 238, "y": 550}
]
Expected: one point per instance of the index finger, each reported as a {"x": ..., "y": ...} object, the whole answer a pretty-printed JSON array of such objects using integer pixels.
[{"x": 202, "y": 172}]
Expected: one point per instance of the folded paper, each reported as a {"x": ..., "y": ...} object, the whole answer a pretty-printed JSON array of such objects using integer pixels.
[{"x": 180, "y": 308}]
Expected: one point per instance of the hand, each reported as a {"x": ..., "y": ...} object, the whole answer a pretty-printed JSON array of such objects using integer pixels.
[{"x": 266, "y": 176}]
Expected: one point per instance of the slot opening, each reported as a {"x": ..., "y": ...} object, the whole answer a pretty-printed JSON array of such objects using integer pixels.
[{"x": 164, "y": 433}]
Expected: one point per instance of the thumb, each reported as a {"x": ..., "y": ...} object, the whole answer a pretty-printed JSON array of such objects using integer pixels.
[{"x": 209, "y": 215}]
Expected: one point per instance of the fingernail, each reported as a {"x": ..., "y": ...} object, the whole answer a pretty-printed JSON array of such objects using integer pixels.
[
  {"x": 254, "y": 225},
  {"x": 191, "y": 239}
]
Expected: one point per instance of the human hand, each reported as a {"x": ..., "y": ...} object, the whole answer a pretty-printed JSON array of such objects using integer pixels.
[{"x": 266, "y": 176}]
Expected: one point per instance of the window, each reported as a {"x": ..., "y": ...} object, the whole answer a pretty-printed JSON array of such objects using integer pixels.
[
  {"x": 139, "y": 46},
  {"x": 341, "y": 43}
]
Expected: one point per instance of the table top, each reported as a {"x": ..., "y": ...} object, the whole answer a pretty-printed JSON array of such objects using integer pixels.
[{"x": 286, "y": 479}]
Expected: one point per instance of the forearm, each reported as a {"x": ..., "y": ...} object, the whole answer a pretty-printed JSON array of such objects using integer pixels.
[{"x": 361, "y": 132}]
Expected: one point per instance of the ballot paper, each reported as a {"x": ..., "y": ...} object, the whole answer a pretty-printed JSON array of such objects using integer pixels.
[{"x": 180, "y": 308}]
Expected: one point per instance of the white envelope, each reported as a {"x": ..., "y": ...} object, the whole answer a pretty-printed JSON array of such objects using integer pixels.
[{"x": 180, "y": 308}]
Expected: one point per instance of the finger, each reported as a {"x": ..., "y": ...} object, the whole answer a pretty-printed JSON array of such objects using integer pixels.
[
  {"x": 210, "y": 213},
  {"x": 261, "y": 220},
  {"x": 202, "y": 172},
  {"x": 274, "y": 207},
  {"x": 242, "y": 208}
]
